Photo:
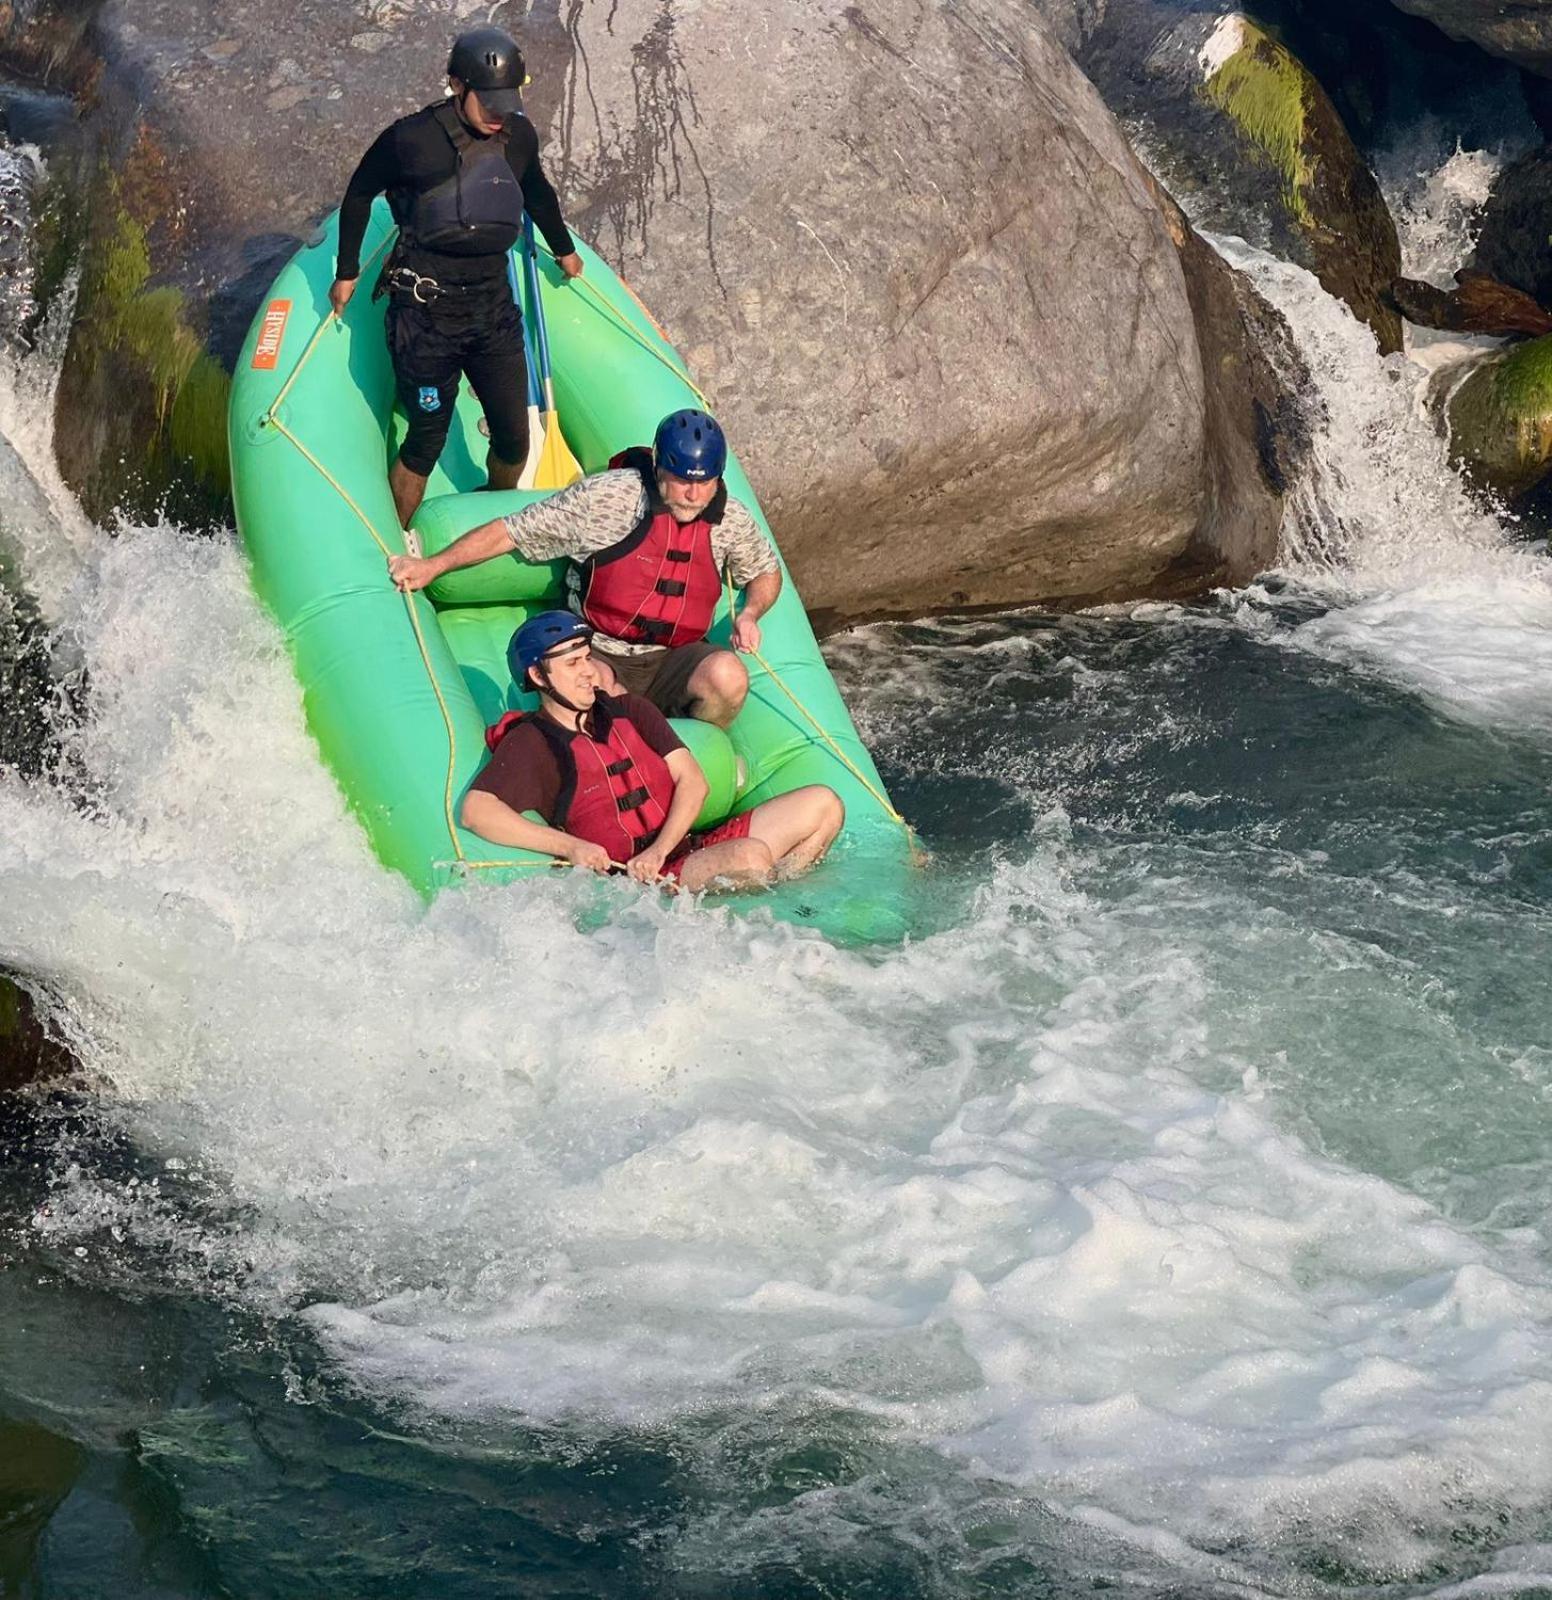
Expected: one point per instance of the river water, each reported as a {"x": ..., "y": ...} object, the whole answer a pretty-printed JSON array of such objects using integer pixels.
[{"x": 1168, "y": 1217}]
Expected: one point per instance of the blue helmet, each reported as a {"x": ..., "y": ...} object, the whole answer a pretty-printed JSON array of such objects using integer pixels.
[
  {"x": 689, "y": 444},
  {"x": 542, "y": 633}
]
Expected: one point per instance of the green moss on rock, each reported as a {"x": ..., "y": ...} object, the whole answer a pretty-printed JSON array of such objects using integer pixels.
[
  {"x": 1262, "y": 89},
  {"x": 1501, "y": 419},
  {"x": 1331, "y": 211},
  {"x": 144, "y": 333}
]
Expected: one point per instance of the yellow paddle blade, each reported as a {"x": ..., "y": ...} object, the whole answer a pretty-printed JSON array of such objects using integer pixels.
[{"x": 557, "y": 465}]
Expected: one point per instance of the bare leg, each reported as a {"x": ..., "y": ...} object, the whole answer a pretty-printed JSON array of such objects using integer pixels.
[
  {"x": 500, "y": 474},
  {"x": 718, "y": 688},
  {"x": 787, "y": 836},
  {"x": 409, "y": 489},
  {"x": 739, "y": 864},
  {"x": 797, "y": 828}
]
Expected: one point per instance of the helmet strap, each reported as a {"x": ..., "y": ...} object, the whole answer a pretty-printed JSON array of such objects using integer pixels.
[{"x": 555, "y": 694}]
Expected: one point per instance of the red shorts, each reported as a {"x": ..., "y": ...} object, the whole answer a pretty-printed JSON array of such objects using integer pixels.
[{"x": 733, "y": 828}]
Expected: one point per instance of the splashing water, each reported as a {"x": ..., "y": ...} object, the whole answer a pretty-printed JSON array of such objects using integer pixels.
[
  {"x": 1416, "y": 579},
  {"x": 1437, "y": 207},
  {"x": 1166, "y": 1214}
]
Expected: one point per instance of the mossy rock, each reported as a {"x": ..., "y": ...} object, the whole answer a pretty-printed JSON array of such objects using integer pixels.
[
  {"x": 140, "y": 416},
  {"x": 1330, "y": 197},
  {"x": 145, "y": 378},
  {"x": 1500, "y": 419}
]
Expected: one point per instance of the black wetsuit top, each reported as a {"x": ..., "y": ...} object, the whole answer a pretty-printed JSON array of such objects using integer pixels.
[{"x": 414, "y": 154}]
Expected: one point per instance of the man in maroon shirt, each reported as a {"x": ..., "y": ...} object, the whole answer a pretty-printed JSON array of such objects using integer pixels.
[{"x": 616, "y": 786}]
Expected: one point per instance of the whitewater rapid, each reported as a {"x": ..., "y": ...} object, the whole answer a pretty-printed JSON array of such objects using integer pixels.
[{"x": 1042, "y": 1198}]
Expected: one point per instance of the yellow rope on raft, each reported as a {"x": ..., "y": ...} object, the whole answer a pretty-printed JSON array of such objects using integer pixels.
[
  {"x": 414, "y": 616},
  {"x": 312, "y": 344},
  {"x": 271, "y": 420},
  {"x": 612, "y": 313},
  {"x": 918, "y": 855}
]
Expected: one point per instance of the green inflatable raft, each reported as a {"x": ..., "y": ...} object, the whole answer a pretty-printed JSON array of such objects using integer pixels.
[{"x": 399, "y": 690}]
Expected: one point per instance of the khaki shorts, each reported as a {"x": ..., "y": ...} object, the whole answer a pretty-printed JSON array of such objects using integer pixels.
[{"x": 661, "y": 676}]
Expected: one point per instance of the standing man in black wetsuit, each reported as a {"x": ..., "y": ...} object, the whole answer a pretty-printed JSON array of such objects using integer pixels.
[{"x": 459, "y": 176}]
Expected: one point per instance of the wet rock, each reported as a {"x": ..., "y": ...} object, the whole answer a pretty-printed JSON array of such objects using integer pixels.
[
  {"x": 1514, "y": 244},
  {"x": 1477, "y": 304},
  {"x": 1260, "y": 397},
  {"x": 27, "y": 1054},
  {"x": 1520, "y": 32},
  {"x": 957, "y": 353},
  {"x": 38, "y": 1469},
  {"x": 1250, "y": 143},
  {"x": 1500, "y": 418}
]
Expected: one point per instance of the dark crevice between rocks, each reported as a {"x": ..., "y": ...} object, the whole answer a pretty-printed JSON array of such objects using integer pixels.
[
  {"x": 27, "y": 1054},
  {"x": 1386, "y": 70}
]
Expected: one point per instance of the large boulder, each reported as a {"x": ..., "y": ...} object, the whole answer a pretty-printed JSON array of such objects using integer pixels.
[
  {"x": 1251, "y": 144},
  {"x": 966, "y": 352},
  {"x": 958, "y": 354}
]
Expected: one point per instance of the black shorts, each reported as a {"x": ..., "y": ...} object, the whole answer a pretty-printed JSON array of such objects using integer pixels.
[
  {"x": 661, "y": 676},
  {"x": 479, "y": 334}
]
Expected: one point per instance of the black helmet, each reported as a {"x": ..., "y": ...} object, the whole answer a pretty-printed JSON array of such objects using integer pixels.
[{"x": 488, "y": 61}]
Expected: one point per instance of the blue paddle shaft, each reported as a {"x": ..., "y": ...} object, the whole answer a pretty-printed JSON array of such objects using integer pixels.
[
  {"x": 541, "y": 338},
  {"x": 535, "y": 393}
]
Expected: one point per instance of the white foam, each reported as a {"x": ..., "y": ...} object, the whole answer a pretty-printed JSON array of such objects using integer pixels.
[{"x": 1426, "y": 585}]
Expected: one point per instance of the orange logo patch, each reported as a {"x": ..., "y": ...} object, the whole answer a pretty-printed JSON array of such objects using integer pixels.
[{"x": 267, "y": 351}]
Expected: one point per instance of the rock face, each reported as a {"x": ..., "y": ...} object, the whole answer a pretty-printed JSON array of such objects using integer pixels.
[
  {"x": 1513, "y": 245},
  {"x": 959, "y": 354},
  {"x": 1500, "y": 419},
  {"x": 1520, "y": 32},
  {"x": 27, "y": 1054},
  {"x": 1259, "y": 401},
  {"x": 974, "y": 355},
  {"x": 1251, "y": 144}
]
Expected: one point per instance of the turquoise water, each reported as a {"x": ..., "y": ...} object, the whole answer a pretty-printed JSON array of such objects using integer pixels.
[{"x": 1231, "y": 1027}]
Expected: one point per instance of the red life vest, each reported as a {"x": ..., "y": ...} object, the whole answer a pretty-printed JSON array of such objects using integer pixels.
[
  {"x": 615, "y": 789},
  {"x": 659, "y": 584}
]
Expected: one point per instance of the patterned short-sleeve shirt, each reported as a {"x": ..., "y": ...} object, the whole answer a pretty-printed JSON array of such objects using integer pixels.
[{"x": 600, "y": 510}]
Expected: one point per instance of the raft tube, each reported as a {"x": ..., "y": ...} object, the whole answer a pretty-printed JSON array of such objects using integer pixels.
[{"x": 398, "y": 691}]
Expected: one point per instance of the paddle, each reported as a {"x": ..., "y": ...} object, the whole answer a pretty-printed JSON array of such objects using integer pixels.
[
  {"x": 557, "y": 465},
  {"x": 529, "y": 476}
]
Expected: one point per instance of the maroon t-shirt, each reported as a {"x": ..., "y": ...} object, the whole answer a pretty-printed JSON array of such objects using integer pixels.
[{"x": 524, "y": 774}]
